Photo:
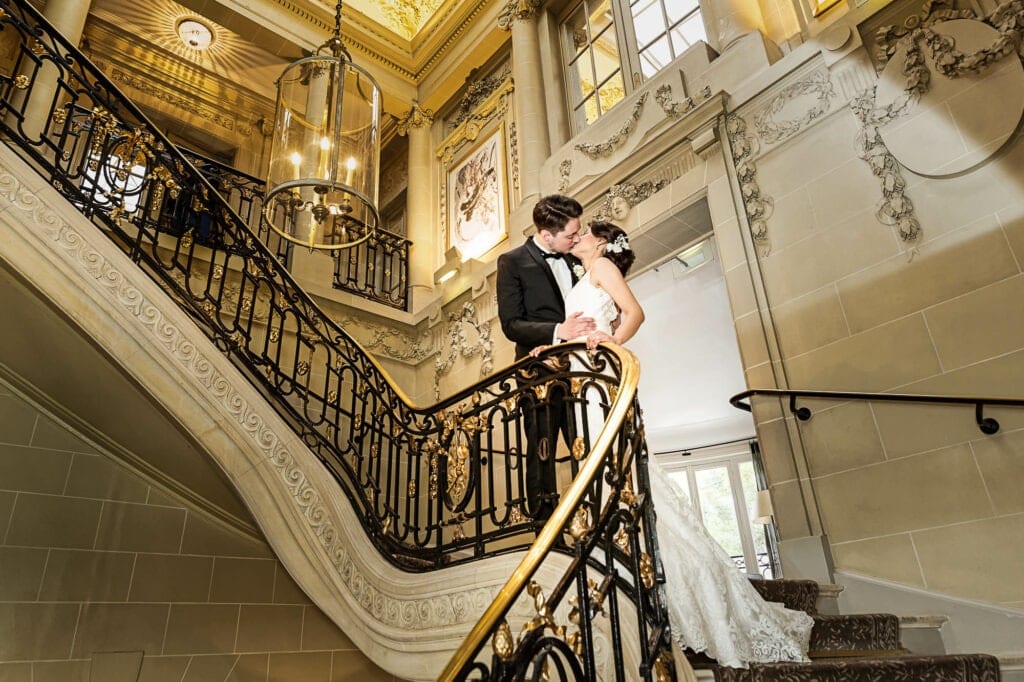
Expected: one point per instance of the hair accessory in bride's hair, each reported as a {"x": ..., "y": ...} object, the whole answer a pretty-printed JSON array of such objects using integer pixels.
[{"x": 620, "y": 244}]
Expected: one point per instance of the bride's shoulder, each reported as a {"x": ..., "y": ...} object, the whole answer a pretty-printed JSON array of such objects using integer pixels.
[{"x": 602, "y": 269}]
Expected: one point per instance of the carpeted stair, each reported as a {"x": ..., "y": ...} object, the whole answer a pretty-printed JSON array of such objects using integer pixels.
[{"x": 853, "y": 648}]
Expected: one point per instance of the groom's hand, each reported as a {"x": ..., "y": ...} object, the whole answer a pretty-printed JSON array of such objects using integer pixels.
[{"x": 575, "y": 326}]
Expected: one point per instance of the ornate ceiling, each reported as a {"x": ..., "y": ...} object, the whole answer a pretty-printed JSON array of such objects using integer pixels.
[{"x": 404, "y": 17}]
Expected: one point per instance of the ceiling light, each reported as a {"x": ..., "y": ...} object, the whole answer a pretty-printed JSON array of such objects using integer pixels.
[{"x": 195, "y": 34}]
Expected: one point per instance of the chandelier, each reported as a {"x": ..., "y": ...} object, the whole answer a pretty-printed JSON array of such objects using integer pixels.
[{"x": 322, "y": 183}]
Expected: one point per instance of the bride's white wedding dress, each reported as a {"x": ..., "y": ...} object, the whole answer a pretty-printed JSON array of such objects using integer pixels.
[{"x": 712, "y": 607}]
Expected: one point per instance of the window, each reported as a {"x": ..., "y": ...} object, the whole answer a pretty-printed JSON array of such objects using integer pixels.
[
  {"x": 604, "y": 39},
  {"x": 722, "y": 488}
]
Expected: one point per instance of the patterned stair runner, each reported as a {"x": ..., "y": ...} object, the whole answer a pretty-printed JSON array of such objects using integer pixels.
[{"x": 851, "y": 648}]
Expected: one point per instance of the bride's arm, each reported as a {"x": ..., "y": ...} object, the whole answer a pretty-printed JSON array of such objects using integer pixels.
[{"x": 605, "y": 274}]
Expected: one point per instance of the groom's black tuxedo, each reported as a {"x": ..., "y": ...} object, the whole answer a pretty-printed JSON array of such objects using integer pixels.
[{"x": 530, "y": 305}]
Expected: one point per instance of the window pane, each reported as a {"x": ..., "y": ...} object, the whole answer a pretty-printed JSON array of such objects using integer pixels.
[
  {"x": 717, "y": 508},
  {"x": 687, "y": 33},
  {"x": 677, "y": 9},
  {"x": 680, "y": 479},
  {"x": 648, "y": 22},
  {"x": 655, "y": 57},
  {"x": 606, "y": 64},
  {"x": 575, "y": 32},
  {"x": 611, "y": 93},
  {"x": 600, "y": 17},
  {"x": 590, "y": 111}
]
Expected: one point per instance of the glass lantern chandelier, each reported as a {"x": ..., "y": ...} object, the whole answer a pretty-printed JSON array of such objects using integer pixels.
[{"x": 322, "y": 184}]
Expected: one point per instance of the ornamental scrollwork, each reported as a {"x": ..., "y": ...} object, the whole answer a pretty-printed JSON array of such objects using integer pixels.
[
  {"x": 564, "y": 173},
  {"x": 818, "y": 84},
  {"x": 756, "y": 205},
  {"x": 417, "y": 117},
  {"x": 663, "y": 96},
  {"x": 596, "y": 151},
  {"x": 458, "y": 344},
  {"x": 476, "y": 93},
  {"x": 517, "y": 10}
]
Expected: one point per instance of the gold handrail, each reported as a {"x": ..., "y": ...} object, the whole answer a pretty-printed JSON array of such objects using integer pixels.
[{"x": 571, "y": 499}]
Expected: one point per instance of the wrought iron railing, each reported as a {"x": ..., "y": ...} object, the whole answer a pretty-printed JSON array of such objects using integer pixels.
[
  {"x": 433, "y": 486},
  {"x": 376, "y": 269},
  {"x": 987, "y": 425}
]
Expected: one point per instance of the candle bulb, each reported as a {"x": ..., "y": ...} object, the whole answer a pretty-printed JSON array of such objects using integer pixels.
[
  {"x": 297, "y": 162},
  {"x": 350, "y": 165}
]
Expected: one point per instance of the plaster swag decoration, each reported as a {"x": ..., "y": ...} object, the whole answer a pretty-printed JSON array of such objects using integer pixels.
[
  {"x": 818, "y": 84},
  {"x": 1008, "y": 20},
  {"x": 163, "y": 332},
  {"x": 932, "y": 12},
  {"x": 895, "y": 208},
  {"x": 476, "y": 93},
  {"x": 757, "y": 206},
  {"x": 517, "y": 10},
  {"x": 596, "y": 151},
  {"x": 621, "y": 198},
  {"x": 390, "y": 342},
  {"x": 663, "y": 96},
  {"x": 460, "y": 345}
]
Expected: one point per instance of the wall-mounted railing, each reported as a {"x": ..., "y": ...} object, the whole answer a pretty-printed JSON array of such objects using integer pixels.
[
  {"x": 432, "y": 486},
  {"x": 987, "y": 425}
]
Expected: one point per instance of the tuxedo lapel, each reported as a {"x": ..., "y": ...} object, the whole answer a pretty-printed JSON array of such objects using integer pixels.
[{"x": 538, "y": 257}]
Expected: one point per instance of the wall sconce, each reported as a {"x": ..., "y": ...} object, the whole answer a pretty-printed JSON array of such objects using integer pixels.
[
  {"x": 452, "y": 263},
  {"x": 763, "y": 510}
]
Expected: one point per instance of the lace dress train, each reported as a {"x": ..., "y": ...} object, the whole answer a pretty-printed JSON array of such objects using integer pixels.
[{"x": 713, "y": 608}]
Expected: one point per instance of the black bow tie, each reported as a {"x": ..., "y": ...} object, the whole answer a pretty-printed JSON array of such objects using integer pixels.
[{"x": 553, "y": 254}]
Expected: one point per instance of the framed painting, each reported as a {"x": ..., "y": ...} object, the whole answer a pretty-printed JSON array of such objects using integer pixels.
[{"x": 478, "y": 197}]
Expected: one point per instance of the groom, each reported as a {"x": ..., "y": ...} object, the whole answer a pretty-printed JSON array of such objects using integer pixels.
[{"x": 532, "y": 282}]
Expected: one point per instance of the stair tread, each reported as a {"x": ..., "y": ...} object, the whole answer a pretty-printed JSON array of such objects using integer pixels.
[{"x": 896, "y": 666}]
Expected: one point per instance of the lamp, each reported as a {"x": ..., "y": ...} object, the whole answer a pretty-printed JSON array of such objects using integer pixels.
[
  {"x": 322, "y": 184},
  {"x": 452, "y": 263},
  {"x": 763, "y": 510}
]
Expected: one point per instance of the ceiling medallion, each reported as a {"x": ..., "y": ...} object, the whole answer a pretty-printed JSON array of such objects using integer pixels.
[{"x": 195, "y": 34}]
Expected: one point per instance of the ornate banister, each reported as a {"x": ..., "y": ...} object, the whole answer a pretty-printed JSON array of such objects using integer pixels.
[{"x": 433, "y": 486}]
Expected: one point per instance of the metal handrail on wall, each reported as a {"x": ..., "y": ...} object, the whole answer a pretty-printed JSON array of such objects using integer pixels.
[
  {"x": 987, "y": 425},
  {"x": 433, "y": 486}
]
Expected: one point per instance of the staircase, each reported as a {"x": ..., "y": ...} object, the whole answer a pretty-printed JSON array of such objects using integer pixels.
[{"x": 850, "y": 648}]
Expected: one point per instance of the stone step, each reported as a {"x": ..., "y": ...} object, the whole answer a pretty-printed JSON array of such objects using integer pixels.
[
  {"x": 854, "y": 633},
  {"x": 894, "y": 667},
  {"x": 923, "y": 634},
  {"x": 1012, "y": 667}
]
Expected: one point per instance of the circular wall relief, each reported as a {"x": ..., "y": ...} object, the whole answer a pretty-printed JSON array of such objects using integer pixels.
[{"x": 959, "y": 122}]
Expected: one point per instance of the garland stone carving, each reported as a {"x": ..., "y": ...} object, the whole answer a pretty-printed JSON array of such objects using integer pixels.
[
  {"x": 459, "y": 345},
  {"x": 1008, "y": 19},
  {"x": 596, "y": 151},
  {"x": 932, "y": 12},
  {"x": 757, "y": 206},
  {"x": 517, "y": 10},
  {"x": 564, "y": 173},
  {"x": 418, "y": 614},
  {"x": 621, "y": 198},
  {"x": 477, "y": 92},
  {"x": 389, "y": 341},
  {"x": 663, "y": 96},
  {"x": 772, "y": 131},
  {"x": 513, "y": 146}
]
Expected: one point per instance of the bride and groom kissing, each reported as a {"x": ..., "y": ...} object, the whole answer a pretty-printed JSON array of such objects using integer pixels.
[{"x": 568, "y": 283}]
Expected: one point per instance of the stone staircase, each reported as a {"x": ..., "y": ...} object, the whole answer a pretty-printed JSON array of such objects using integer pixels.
[{"x": 852, "y": 648}]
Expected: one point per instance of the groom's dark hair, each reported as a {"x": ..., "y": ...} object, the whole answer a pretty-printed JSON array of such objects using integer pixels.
[{"x": 554, "y": 211}]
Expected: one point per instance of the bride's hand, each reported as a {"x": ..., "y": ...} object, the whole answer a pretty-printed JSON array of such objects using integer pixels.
[
  {"x": 538, "y": 350},
  {"x": 595, "y": 338}
]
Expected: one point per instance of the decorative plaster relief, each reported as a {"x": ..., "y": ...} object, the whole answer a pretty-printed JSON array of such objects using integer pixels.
[
  {"x": 564, "y": 173},
  {"x": 460, "y": 345},
  {"x": 416, "y": 117},
  {"x": 517, "y": 10},
  {"x": 817, "y": 86},
  {"x": 476, "y": 93},
  {"x": 663, "y": 96},
  {"x": 596, "y": 151},
  {"x": 621, "y": 198},
  {"x": 184, "y": 103},
  {"x": 757, "y": 206}
]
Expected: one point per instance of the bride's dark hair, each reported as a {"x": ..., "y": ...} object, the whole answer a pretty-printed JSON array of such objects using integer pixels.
[{"x": 617, "y": 250}]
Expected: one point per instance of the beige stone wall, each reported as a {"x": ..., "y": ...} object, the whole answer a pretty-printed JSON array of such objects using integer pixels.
[
  {"x": 104, "y": 577},
  {"x": 915, "y": 494}
]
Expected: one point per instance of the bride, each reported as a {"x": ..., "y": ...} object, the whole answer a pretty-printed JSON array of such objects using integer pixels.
[{"x": 712, "y": 607}]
